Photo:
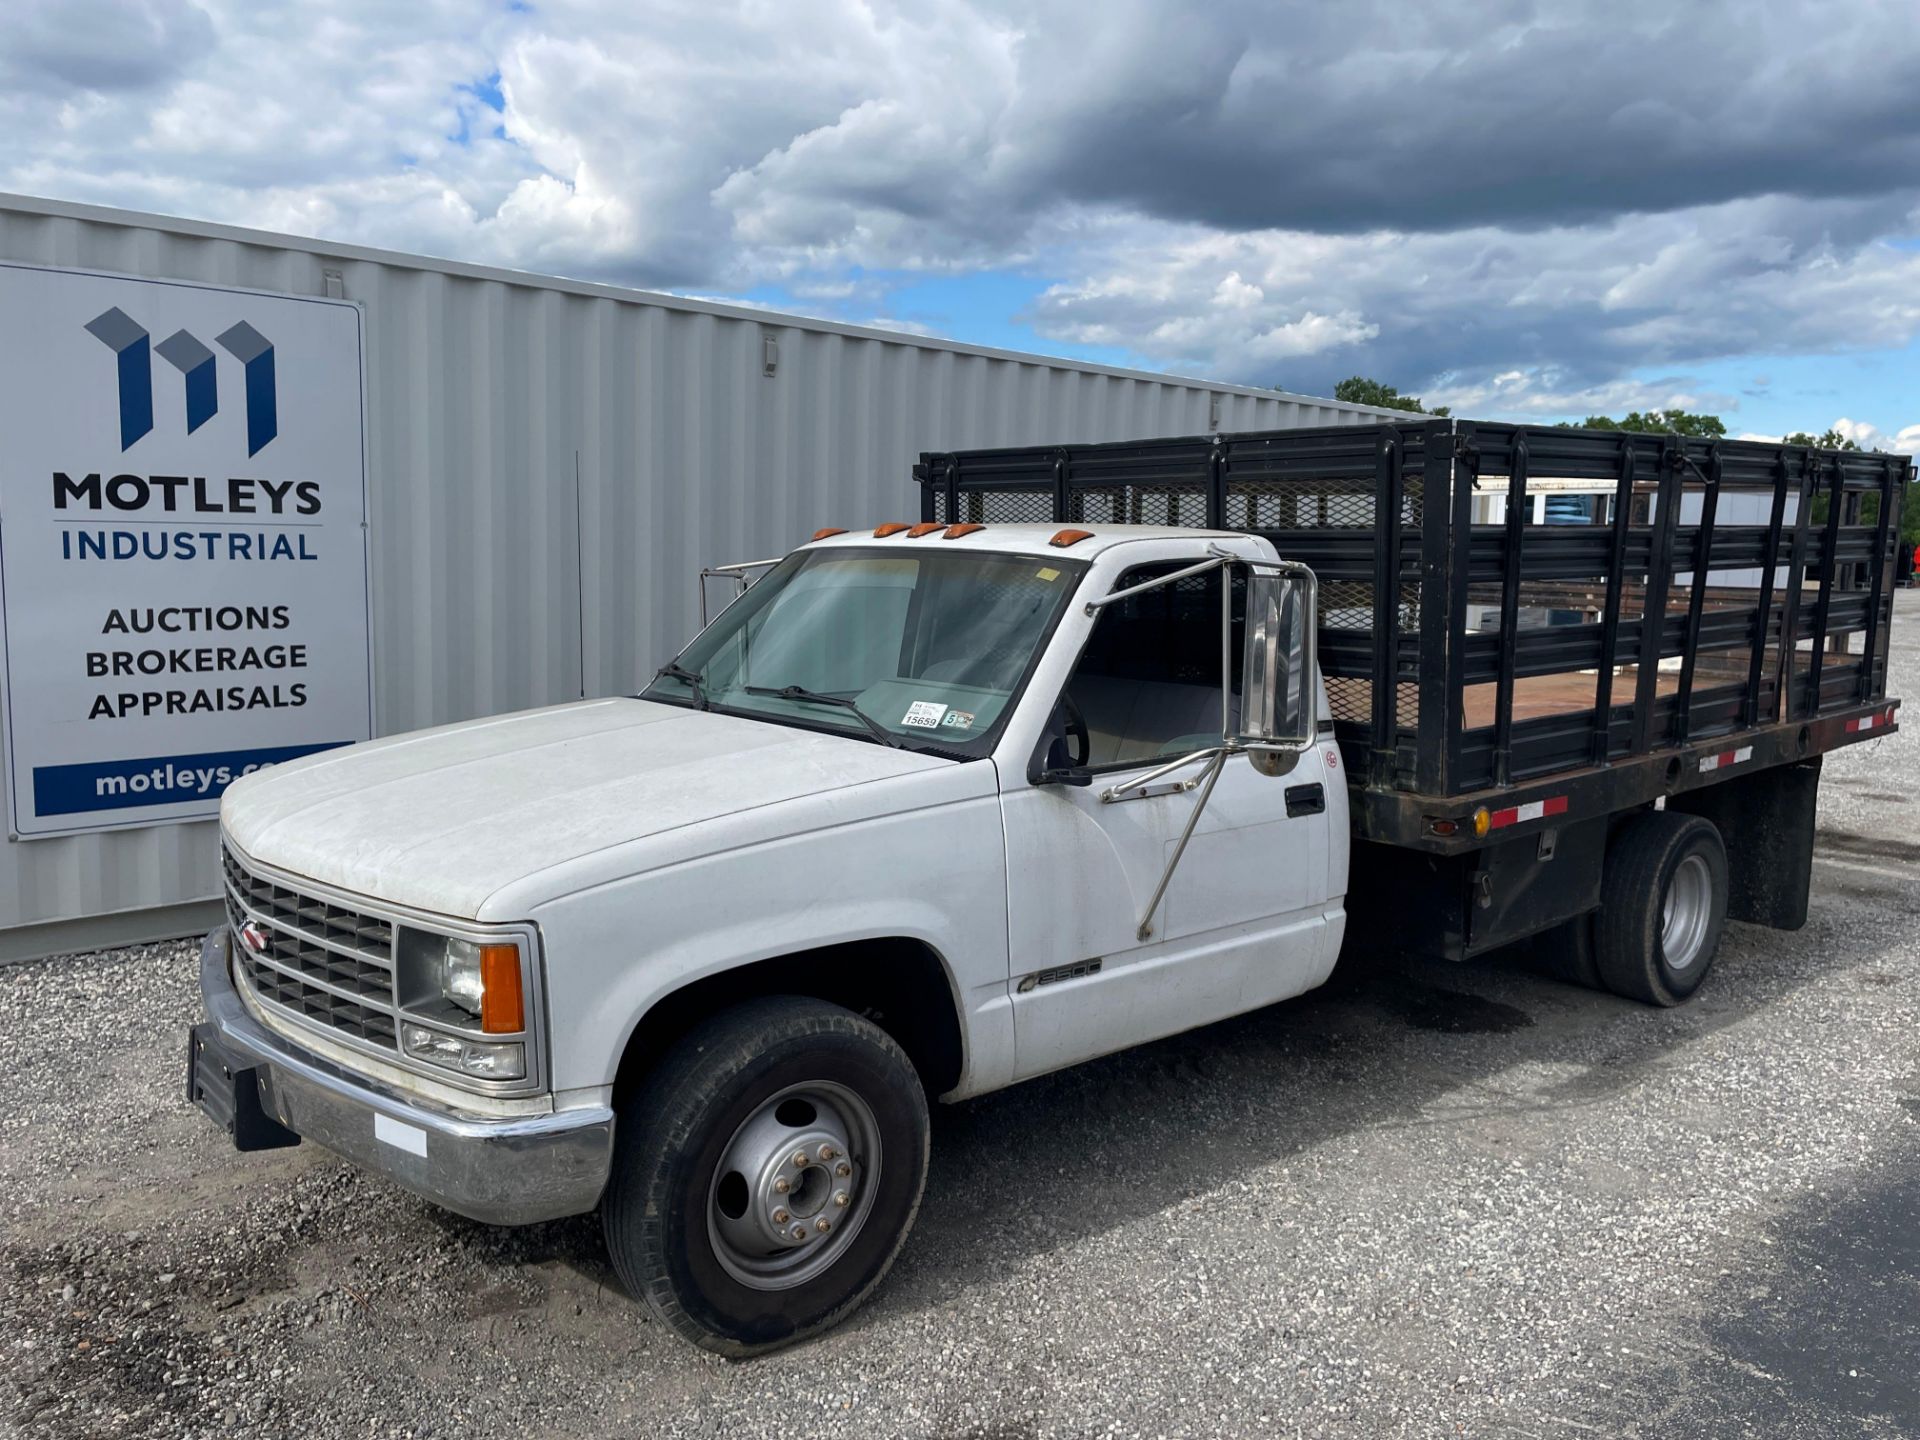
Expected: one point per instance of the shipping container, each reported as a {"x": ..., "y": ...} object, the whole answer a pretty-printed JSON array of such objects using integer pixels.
[{"x": 549, "y": 464}]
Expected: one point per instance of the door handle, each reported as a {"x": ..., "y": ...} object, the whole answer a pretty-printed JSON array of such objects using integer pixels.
[{"x": 1306, "y": 800}]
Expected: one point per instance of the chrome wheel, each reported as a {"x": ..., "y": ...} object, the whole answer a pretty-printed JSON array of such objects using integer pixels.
[
  {"x": 1686, "y": 913},
  {"x": 794, "y": 1185}
]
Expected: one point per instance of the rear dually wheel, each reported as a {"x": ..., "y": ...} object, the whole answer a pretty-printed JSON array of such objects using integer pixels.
[{"x": 1663, "y": 905}]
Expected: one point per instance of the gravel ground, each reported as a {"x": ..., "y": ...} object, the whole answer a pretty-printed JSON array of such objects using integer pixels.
[{"x": 1427, "y": 1200}]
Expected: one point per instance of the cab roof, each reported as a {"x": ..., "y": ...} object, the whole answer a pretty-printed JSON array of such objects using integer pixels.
[{"x": 1028, "y": 539}]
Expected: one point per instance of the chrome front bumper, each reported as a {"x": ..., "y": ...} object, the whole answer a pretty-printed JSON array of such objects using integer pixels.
[{"x": 504, "y": 1172}]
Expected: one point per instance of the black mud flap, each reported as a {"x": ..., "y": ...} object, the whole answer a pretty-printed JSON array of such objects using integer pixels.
[{"x": 227, "y": 1090}]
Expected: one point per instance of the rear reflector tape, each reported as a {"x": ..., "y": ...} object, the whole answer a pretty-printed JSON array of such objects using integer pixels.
[
  {"x": 1520, "y": 814},
  {"x": 1869, "y": 722},
  {"x": 1710, "y": 763}
]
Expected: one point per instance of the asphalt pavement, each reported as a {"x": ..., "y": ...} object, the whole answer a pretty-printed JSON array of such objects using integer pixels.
[{"x": 1427, "y": 1200}]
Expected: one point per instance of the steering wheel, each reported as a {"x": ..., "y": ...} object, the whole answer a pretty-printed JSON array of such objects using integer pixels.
[{"x": 1076, "y": 730}]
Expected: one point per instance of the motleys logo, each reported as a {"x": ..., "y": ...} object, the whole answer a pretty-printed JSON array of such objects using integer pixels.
[
  {"x": 173, "y": 782},
  {"x": 133, "y": 351}
]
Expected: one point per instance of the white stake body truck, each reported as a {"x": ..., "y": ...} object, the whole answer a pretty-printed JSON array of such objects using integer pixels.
[{"x": 932, "y": 809}]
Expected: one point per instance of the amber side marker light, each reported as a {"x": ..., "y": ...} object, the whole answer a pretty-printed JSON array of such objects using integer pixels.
[
  {"x": 1482, "y": 822},
  {"x": 1064, "y": 538},
  {"x": 827, "y": 533},
  {"x": 954, "y": 532},
  {"x": 503, "y": 1010},
  {"x": 880, "y": 532},
  {"x": 925, "y": 527}
]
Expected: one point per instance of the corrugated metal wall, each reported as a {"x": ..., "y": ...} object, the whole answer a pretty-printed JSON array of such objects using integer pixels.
[{"x": 549, "y": 465}]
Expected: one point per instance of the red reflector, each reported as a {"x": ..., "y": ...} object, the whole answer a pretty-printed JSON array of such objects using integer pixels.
[
  {"x": 1064, "y": 538},
  {"x": 827, "y": 533},
  {"x": 925, "y": 527},
  {"x": 1535, "y": 810},
  {"x": 880, "y": 532},
  {"x": 954, "y": 532}
]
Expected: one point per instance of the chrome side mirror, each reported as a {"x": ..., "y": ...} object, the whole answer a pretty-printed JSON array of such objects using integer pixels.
[{"x": 1278, "y": 701}]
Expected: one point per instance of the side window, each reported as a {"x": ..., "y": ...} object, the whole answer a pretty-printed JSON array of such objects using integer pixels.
[{"x": 1148, "y": 684}]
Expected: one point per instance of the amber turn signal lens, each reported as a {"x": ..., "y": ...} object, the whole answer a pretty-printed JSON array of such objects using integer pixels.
[{"x": 503, "y": 1009}]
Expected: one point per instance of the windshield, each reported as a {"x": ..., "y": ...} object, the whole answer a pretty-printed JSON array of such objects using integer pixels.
[{"x": 930, "y": 646}]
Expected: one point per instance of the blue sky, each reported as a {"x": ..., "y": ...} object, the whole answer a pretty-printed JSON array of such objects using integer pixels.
[{"x": 1522, "y": 209}]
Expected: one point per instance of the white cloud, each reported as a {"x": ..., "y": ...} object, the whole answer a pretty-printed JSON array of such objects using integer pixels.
[
  {"x": 1905, "y": 441},
  {"x": 1272, "y": 199},
  {"x": 1546, "y": 321}
]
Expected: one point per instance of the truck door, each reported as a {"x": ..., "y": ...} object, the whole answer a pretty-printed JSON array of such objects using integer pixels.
[{"x": 1247, "y": 918}]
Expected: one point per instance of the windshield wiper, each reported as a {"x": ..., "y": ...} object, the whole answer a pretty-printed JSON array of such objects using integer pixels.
[
  {"x": 814, "y": 697},
  {"x": 674, "y": 670}
]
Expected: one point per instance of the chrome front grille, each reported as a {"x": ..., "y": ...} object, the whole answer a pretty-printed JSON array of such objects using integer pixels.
[
  {"x": 316, "y": 920},
  {"x": 322, "y": 961}
]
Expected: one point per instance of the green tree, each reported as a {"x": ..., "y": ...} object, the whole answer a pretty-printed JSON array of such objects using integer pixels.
[
  {"x": 1830, "y": 440},
  {"x": 1359, "y": 390},
  {"x": 1661, "y": 422}
]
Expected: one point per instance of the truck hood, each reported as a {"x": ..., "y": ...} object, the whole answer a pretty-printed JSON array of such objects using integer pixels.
[{"x": 441, "y": 819}]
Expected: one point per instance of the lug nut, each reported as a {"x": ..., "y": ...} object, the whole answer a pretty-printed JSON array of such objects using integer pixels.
[
  {"x": 799, "y": 1232},
  {"x": 779, "y": 1217},
  {"x": 827, "y": 1152},
  {"x": 823, "y": 1224},
  {"x": 780, "y": 1185},
  {"x": 843, "y": 1169},
  {"x": 800, "y": 1160},
  {"x": 842, "y": 1199}
]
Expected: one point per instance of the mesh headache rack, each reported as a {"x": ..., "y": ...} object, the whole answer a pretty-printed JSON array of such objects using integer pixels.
[{"x": 1503, "y": 603}]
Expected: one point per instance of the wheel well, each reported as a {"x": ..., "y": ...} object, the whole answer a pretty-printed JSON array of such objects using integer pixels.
[{"x": 897, "y": 983}]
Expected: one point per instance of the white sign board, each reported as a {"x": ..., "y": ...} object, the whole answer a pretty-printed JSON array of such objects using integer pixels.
[{"x": 183, "y": 561}]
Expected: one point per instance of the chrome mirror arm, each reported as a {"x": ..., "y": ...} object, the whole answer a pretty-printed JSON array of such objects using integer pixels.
[
  {"x": 1140, "y": 782},
  {"x": 739, "y": 573},
  {"x": 1173, "y": 861}
]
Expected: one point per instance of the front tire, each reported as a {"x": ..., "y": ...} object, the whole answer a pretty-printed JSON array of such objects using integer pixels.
[
  {"x": 1663, "y": 905},
  {"x": 766, "y": 1174}
]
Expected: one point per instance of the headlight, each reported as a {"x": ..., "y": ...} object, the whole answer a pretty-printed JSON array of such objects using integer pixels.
[
  {"x": 460, "y": 975},
  {"x": 443, "y": 978},
  {"x": 455, "y": 996},
  {"x": 477, "y": 1058}
]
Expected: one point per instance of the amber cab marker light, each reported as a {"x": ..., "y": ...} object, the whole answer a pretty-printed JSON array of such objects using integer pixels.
[
  {"x": 502, "y": 1010},
  {"x": 1064, "y": 538},
  {"x": 880, "y": 532},
  {"x": 925, "y": 527},
  {"x": 954, "y": 532},
  {"x": 827, "y": 533}
]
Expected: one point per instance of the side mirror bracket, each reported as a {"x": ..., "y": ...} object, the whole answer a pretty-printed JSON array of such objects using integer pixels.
[{"x": 1052, "y": 761}]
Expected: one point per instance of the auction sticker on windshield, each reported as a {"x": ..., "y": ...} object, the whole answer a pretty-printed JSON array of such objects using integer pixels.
[
  {"x": 183, "y": 565},
  {"x": 924, "y": 714}
]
